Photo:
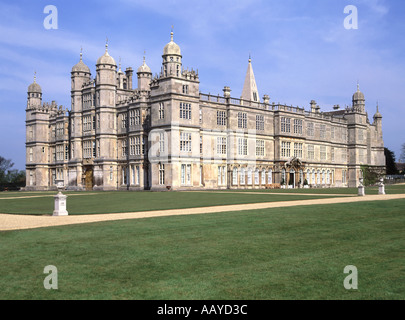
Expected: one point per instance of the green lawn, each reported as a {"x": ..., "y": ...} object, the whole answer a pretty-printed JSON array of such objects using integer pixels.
[
  {"x": 283, "y": 253},
  {"x": 115, "y": 202}
]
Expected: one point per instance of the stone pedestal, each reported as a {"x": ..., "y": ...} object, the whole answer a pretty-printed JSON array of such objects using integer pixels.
[{"x": 60, "y": 205}]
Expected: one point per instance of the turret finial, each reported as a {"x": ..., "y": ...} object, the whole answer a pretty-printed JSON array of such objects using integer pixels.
[
  {"x": 81, "y": 53},
  {"x": 35, "y": 76},
  {"x": 171, "y": 35},
  {"x": 106, "y": 44}
]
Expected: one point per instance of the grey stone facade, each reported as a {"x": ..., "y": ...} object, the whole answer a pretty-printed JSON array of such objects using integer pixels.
[{"x": 166, "y": 134}]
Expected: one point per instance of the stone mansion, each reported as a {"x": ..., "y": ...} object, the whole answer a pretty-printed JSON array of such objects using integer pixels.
[{"x": 167, "y": 135}]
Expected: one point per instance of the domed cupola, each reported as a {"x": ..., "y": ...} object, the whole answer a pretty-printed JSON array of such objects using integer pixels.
[
  {"x": 171, "y": 59},
  {"x": 171, "y": 48},
  {"x": 34, "y": 94},
  {"x": 377, "y": 114},
  {"x": 81, "y": 66},
  {"x": 144, "y": 76},
  {"x": 359, "y": 100},
  {"x": 106, "y": 59},
  {"x": 144, "y": 68},
  {"x": 34, "y": 87}
]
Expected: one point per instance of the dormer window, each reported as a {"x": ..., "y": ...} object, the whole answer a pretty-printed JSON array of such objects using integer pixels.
[{"x": 171, "y": 58}]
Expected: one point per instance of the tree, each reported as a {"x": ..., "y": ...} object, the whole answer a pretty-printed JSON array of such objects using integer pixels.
[
  {"x": 5, "y": 166},
  {"x": 10, "y": 179},
  {"x": 402, "y": 156},
  {"x": 390, "y": 162}
]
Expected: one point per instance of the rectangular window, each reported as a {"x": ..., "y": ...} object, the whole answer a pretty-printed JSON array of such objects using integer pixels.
[
  {"x": 259, "y": 148},
  {"x": 138, "y": 146},
  {"x": 161, "y": 174},
  {"x": 311, "y": 152},
  {"x": 242, "y": 120},
  {"x": 87, "y": 123},
  {"x": 285, "y": 149},
  {"x": 310, "y": 129},
  {"x": 298, "y": 150},
  {"x": 60, "y": 129},
  {"x": 242, "y": 146},
  {"x": 186, "y": 174},
  {"x": 221, "y": 118},
  {"x": 66, "y": 152},
  {"x": 132, "y": 146},
  {"x": 185, "y": 111},
  {"x": 221, "y": 175},
  {"x": 124, "y": 120},
  {"x": 161, "y": 111},
  {"x": 161, "y": 142},
  {"x": 322, "y": 131},
  {"x": 285, "y": 124},
  {"x": 332, "y": 132},
  {"x": 185, "y": 141},
  {"x": 124, "y": 147},
  {"x": 323, "y": 153},
  {"x": 131, "y": 118},
  {"x": 201, "y": 144},
  {"x": 31, "y": 155},
  {"x": 87, "y": 149},
  {"x": 137, "y": 117},
  {"x": 185, "y": 89},
  {"x": 344, "y": 135},
  {"x": 297, "y": 126},
  {"x": 259, "y": 122},
  {"x": 221, "y": 145},
  {"x": 332, "y": 154}
]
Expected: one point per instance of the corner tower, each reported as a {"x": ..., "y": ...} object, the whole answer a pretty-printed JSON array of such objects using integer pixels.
[{"x": 172, "y": 59}]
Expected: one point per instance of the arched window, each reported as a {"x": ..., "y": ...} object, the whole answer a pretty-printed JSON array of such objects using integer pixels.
[
  {"x": 263, "y": 176},
  {"x": 249, "y": 176},
  {"x": 313, "y": 177},
  {"x": 242, "y": 176},
  {"x": 328, "y": 177},
  {"x": 235, "y": 176},
  {"x": 283, "y": 177},
  {"x": 270, "y": 176},
  {"x": 318, "y": 177},
  {"x": 256, "y": 176}
]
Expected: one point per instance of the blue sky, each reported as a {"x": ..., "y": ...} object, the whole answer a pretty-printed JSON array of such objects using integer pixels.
[{"x": 300, "y": 51}]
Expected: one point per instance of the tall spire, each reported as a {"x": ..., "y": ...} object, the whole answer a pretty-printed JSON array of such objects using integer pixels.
[{"x": 250, "y": 91}]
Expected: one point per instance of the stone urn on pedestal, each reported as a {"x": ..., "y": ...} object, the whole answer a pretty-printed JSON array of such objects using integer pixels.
[
  {"x": 361, "y": 188},
  {"x": 381, "y": 186},
  {"x": 60, "y": 200}
]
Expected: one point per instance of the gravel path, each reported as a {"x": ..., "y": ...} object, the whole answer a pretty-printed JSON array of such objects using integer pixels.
[{"x": 19, "y": 222}]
